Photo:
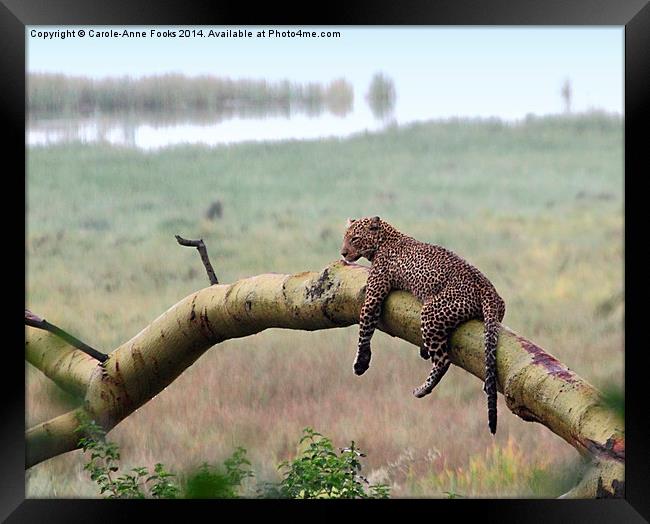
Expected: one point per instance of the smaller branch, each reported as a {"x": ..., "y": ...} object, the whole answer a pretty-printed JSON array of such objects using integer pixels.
[
  {"x": 37, "y": 322},
  {"x": 52, "y": 438},
  {"x": 198, "y": 244}
]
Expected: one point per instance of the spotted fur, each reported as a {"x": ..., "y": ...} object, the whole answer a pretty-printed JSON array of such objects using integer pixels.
[{"x": 451, "y": 290}]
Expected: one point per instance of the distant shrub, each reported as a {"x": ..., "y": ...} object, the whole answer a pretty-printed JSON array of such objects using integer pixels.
[
  {"x": 614, "y": 398},
  {"x": 381, "y": 96}
]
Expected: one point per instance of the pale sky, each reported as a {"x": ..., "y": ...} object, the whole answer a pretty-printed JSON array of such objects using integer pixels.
[{"x": 438, "y": 71}]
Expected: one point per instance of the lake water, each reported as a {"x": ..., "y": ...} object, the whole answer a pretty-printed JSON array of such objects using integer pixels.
[{"x": 150, "y": 133}]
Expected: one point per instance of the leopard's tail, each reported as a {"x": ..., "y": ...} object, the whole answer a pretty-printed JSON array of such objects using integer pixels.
[{"x": 493, "y": 312}]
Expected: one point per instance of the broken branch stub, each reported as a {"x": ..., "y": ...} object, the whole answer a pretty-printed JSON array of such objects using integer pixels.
[{"x": 203, "y": 251}]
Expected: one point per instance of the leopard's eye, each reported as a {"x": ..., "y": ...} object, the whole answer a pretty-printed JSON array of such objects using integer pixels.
[{"x": 355, "y": 239}]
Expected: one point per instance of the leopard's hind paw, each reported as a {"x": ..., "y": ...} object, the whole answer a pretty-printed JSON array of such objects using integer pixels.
[{"x": 420, "y": 392}]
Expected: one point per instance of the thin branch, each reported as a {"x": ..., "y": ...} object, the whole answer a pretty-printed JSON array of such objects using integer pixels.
[
  {"x": 37, "y": 322},
  {"x": 200, "y": 245}
]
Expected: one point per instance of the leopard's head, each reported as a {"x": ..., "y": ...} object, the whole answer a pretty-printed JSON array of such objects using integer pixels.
[{"x": 362, "y": 238}]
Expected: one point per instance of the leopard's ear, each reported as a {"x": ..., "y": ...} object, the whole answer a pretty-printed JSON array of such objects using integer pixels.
[
  {"x": 350, "y": 222},
  {"x": 374, "y": 223}
]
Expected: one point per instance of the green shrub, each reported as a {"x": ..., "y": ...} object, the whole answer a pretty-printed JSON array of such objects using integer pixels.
[
  {"x": 320, "y": 472},
  {"x": 103, "y": 467},
  {"x": 211, "y": 482}
]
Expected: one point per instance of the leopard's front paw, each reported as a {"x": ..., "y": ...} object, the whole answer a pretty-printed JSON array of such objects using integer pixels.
[{"x": 424, "y": 353}]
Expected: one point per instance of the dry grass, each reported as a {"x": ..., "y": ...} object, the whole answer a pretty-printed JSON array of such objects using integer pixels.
[
  {"x": 260, "y": 392},
  {"x": 103, "y": 263}
]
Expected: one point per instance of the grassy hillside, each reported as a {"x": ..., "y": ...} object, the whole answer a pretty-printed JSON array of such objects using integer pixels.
[{"x": 537, "y": 206}]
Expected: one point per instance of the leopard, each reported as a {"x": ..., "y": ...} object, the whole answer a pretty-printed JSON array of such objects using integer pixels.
[{"x": 451, "y": 290}]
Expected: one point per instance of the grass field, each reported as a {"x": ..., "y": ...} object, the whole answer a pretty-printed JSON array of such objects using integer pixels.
[{"x": 538, "y": 206}]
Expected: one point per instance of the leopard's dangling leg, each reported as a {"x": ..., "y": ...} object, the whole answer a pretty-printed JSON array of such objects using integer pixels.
[
  {"x": 441, "y": 364},
  {"x": 438, "y": 320}
]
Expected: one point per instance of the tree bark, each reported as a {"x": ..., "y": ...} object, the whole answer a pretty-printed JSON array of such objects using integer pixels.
[{"x": 537, "y": 387}]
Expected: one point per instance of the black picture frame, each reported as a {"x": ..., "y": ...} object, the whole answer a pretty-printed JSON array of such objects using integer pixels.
[{"x": 633, "y": 14}]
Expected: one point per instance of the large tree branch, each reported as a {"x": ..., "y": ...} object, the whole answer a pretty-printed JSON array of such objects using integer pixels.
[{"x": 536, "y": 386}]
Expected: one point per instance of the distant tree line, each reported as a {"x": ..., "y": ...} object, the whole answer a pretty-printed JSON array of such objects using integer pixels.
[{"x": 58, "y": 94}]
